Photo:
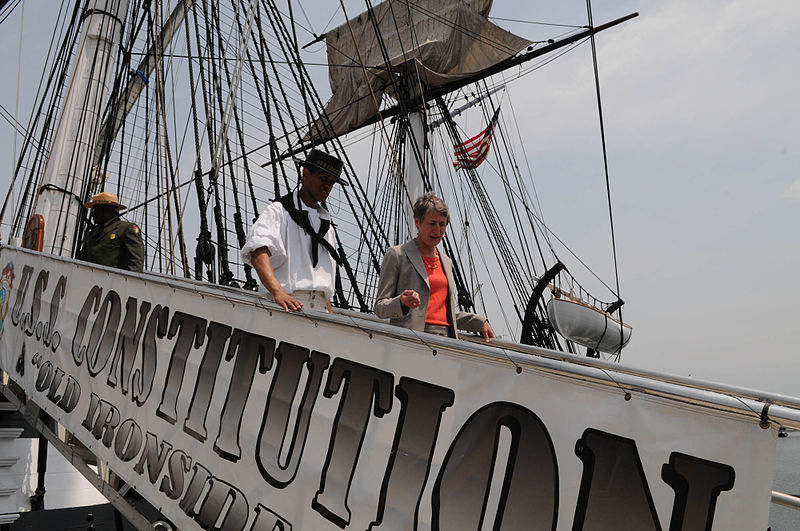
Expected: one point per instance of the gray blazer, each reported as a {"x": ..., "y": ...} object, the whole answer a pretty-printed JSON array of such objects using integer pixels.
[{"x": 404, "y": 269}]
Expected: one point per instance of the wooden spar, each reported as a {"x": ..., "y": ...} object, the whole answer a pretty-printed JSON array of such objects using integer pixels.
[
  {"x": 433, "y": 92},
  {"x": 456, "y": 112},
  {"x": 430, "y": 93}
]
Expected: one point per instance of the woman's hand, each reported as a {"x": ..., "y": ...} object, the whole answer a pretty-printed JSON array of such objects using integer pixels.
[
  {"x": 488, "y": 333},
  {"x": 410, "y": 299}
]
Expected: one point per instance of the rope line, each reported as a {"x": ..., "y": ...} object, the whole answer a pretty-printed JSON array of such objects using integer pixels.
[{"x": 603, "y": 140}]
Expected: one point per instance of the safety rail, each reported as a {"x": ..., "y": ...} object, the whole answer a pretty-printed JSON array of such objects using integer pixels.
[{"x": 787, "y": 500}]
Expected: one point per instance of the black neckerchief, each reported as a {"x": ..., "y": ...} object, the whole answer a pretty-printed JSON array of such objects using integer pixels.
[{"x": 300, "y": 217}]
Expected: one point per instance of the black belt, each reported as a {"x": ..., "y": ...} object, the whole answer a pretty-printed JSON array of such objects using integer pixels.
[{"x": 439, "y": 330}]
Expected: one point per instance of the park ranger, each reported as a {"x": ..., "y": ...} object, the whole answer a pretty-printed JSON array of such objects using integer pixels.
[{"x": 111, "y": 241}]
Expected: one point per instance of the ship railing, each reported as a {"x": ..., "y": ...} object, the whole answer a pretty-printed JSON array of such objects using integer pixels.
[
  {"x": 787, "y": 500},
  {"x": 770, "y": 409}
]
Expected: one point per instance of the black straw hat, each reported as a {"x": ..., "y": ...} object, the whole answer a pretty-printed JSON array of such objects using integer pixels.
[{"x": 321, "y": 161}]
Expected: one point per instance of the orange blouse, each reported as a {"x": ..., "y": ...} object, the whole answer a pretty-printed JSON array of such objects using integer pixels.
[{"x": 437, "y": 302}]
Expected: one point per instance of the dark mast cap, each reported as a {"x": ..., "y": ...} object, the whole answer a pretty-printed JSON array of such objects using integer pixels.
[{"x": 321, "y": 161}]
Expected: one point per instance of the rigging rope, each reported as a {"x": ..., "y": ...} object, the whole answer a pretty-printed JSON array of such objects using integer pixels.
[
  {"x": 605, "y": 152},
  {"x": 372, "y": 93},
  {"x": 161, "y": 103},
  {"x": 88, "y": 121},
  {"x": 537, "y": 23},
  {"x": 512, "y": 203},
  {"x": 405, "y": 96},
  {"x": 250, "y": 282},
  {"x": 14, "y": 123},
  {"x": 338, "y": 149},
  {"x": 10, "y": 10},
  {"x": 36, "y": 158}
]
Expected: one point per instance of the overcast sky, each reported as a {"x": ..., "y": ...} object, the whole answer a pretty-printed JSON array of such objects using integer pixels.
[{"x": 702, "y": 119}]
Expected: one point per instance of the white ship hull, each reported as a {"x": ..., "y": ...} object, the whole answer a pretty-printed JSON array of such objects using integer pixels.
[{"x": 214, "y": 404}]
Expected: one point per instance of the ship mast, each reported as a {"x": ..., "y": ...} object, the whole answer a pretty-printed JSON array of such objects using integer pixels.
[
  {"x": 414, "y": 163},
  {"x": 64, "y": 181}
]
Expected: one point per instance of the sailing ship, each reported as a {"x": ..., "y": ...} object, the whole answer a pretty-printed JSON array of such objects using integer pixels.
[{"x": 223, "y": 411}]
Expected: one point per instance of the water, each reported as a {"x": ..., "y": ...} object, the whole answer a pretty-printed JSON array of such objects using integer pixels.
[{"x": 787, "y": 480}]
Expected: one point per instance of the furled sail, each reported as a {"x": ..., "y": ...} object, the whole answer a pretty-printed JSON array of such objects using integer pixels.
[{"x": 441, "y": 41}]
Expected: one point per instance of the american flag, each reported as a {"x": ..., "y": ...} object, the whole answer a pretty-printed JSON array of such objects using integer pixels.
[{"x": 471, "y": 153}]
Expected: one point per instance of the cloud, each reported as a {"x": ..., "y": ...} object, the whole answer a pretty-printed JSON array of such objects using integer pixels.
[{"x": 792, "y": 193}]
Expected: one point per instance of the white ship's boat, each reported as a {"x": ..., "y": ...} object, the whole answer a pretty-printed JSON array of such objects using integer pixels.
[
  {"x": 587, "y": 325},
  {"x": 224, "y": 412}
]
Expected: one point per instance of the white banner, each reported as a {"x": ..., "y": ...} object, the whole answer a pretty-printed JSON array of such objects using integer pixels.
[{"x": 225, "y": 414}]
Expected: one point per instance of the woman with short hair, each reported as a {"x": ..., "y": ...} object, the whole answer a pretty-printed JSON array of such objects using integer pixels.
[{"x": 416, "y": 287}]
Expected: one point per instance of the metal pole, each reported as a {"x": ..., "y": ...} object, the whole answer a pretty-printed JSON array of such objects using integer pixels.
[
  {"x": 787, "y": 500},
  {"x": 37, "y": 500}
]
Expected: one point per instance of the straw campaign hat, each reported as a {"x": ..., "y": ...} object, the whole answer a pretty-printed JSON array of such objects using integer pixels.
[{"x": 105, "y": 198}]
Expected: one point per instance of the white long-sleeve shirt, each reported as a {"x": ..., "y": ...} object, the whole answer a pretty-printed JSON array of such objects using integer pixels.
[{"x": 290, "y": 248}]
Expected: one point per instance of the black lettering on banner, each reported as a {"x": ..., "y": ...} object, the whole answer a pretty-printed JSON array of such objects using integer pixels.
[
  {"x": 22, "y": 292},
  {"x": 29, "y": 326},
  {"x": 104, "y": 333},
  {"x": 697, "y": 484},
  {"x": 362, "y": 383},
  {"x": 154, "y": 456},
  {"x": 191, "y": 331},
  {"x": 529, "y": 494},
  {"x": 142, "y": 383},
  {"x": 614, "y": 493},
  {"x": 195, "y": 423},
  {"x": 52, "y": 394},
  {"x": 89, "y": 305},
  {"x": 49, "y": 333},
  {"x": 421, "y": 408},
  {"x": 19, "y": 367},
  {"x": 272, "y": 437},
  {"x": 72, "y": 393},
  {"x": 128, "y": 441},
  {"x": 178, "y": 466},
  {"x": 194, "y": 490},
  {"x": 128, "y": 343},
  {"x": 213, "y": 507},
  {"x": 252, "y": 352},
  {"x": 101, "y": 419},
  {"x": 91, "y": 413},
  {"x": 266, "y": 520},
  {"x": 45, "y": 377}
]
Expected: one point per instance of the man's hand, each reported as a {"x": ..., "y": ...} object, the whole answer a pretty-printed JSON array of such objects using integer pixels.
[
  {"x": 262, "y": 263},
  {"x": 410, "y": 298},
  {"x": 287, "y": 302},
  {"x": 488, "y": 333}
]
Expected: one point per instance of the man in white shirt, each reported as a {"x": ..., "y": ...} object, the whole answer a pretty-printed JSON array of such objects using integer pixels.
[{"x": 291, "y": 245}]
